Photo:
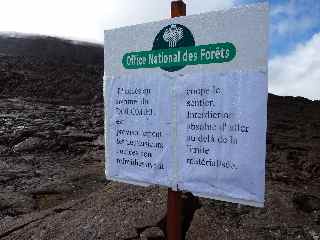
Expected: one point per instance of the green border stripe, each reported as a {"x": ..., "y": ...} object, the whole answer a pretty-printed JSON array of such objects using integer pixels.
[{"x": 172, "y": 57}]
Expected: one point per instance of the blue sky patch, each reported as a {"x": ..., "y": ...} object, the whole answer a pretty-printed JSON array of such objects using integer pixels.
[{"x": 291, "y": 22}]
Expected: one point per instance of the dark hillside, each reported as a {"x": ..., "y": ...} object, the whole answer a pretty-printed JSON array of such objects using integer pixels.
[
  {"x": 51, "y": 70},
  {"x": 51, "y": 49}
]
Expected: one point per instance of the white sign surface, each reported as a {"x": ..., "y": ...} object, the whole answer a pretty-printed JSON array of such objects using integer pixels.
[
  {"x": 221, "y": 134},
  {"x": 186, "y": 104},
  {"x": 139, "y": 129}
]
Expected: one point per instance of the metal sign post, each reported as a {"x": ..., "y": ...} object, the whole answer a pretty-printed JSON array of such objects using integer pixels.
[
  {"x": 174, "y": 215},
  {"x": 178, "y": 8}
]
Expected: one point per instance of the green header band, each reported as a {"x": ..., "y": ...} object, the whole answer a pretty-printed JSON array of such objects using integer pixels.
[{"x": 173, "y": 57}]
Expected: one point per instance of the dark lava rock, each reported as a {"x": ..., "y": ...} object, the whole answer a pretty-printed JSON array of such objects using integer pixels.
[
  {"x": 51, "y": 70},
  {"x": 28, "y": 144},
  {"x": 153, "y": 233},
  {"x": 109, "y": 213},
  {"x": 306, "y": 203},
  {"x": 3, "y": 149},
  {"x": 15, "y": 203},
  {"x": 55, "y": 50}
]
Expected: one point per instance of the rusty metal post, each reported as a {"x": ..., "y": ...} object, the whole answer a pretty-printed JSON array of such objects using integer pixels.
[
  {"x": 178, "y": 9},
  {"x": 174, "y": 218}
]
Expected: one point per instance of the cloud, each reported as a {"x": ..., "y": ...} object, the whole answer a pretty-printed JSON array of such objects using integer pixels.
[
  {"x": 294, "y": 17},
  {"x": 300, "y": 25},
  {"x": 298, "y": 73},
  {"x": 86, "y": 20},
  {"x": 286, "y": 8},
  {"x": 196, "y": 6}
]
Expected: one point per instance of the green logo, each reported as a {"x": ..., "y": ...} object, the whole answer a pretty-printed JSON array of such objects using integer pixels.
[
  {"x": 173, "y": 36},
  {"x": 174, "y": 48}
]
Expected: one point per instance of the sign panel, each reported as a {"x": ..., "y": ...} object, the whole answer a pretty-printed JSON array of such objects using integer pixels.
[
  {"x": 186, "y": 104},
  {"x": 221, "y": 134},
  {"x": 139, "y": 129}
]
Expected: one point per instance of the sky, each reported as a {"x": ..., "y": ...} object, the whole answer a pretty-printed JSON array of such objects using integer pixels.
[{"x": 294, "y": 31}]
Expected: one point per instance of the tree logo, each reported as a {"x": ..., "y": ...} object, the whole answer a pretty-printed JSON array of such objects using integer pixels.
[
  {"x": 173, "y": 36},
  {"x": 174, "y": 48}
]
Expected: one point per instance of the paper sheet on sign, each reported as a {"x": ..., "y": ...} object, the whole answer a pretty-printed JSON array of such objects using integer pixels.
[
  {"x": 221, "y": 134},
  {"x": 140, "y": 136},
  {"x": 191, "y": 116}
]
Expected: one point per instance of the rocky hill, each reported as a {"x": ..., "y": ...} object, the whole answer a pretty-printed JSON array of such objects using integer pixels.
[
  {"x": 51, "y": 70},
  {"x": 52, "y": 183},
  {"x": 51, "y": 49}
]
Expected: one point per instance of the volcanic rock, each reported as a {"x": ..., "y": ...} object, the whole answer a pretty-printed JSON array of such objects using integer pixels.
[
  {"x": 307, "y": 203},
  {"x": 28, "y": 144},
  {"x": 152, "y": 233}
]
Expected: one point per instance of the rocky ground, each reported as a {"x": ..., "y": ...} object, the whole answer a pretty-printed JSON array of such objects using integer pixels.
[{"x": 52, "y": 183}]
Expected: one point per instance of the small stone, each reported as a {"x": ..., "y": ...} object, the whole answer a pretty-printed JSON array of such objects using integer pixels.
[
  {"x": 99, "y": 141},
  {"x": 306, "y": 203},
  {"x": 3, "y": 149},
  {"x": 78, "y": 137},
  {"x": 314, "y": 235},
  {"x": 152, "y": 233},
  {"x": 3, "y": 165},
  {"x": 28, "y": 144}
]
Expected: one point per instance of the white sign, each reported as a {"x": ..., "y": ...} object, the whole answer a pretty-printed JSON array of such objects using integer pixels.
[
  {"x": 139, "y": 129},
  {"x": 186, "y": 104}
]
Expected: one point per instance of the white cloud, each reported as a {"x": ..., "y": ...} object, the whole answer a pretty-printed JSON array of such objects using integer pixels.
[
  {"x": 300, "y": 25},
  {"x": 298, "y": 73},
  {"x": 294, "y": 16},
  {"x": 287, "y": 9},
  {"x": 86, "y": 20}
]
